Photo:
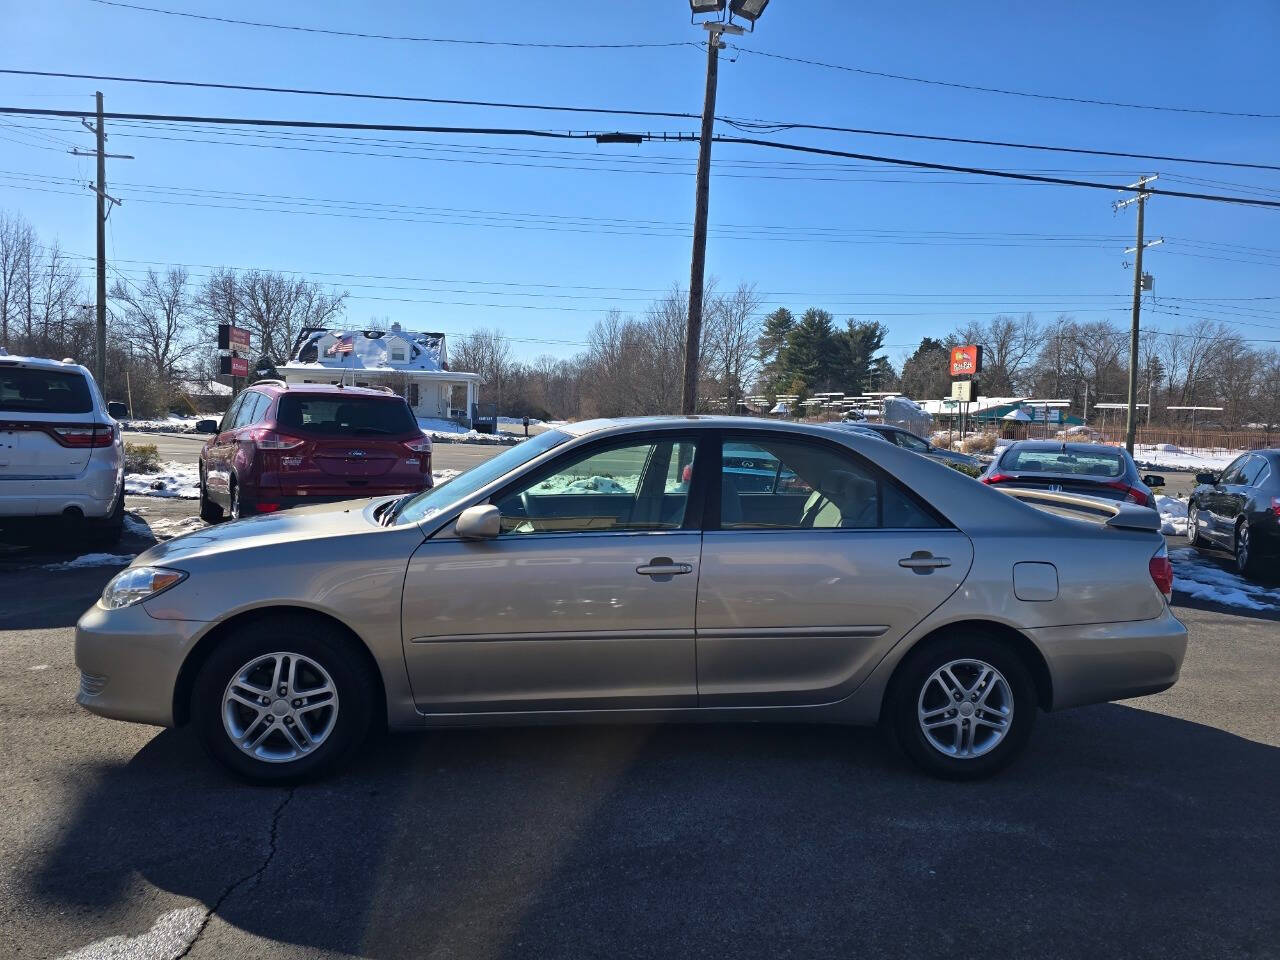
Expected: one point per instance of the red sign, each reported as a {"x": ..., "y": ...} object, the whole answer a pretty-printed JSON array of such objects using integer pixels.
[
  {"x": 233, "y": 366},
  {"x": 232, "y": 338},
  {"x": 966, "y": 360}
]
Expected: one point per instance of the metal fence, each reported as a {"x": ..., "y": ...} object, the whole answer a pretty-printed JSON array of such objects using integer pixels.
[{"x": 1191, "y": 439}]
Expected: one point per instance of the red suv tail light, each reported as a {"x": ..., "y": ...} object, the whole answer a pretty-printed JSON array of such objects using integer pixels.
[
  {"x": 266, "y": 439},
  {"x": 1162, "y": 571},
  {"x": 421, "y": 445},
  {"x": 1275, "y": 507},
  {"x": 84, "y": 436}
]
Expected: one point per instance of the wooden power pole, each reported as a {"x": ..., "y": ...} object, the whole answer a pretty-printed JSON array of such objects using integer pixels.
[{"x": 1131, "y": 418}]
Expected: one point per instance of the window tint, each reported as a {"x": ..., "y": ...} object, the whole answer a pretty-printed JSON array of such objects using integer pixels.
[
  {"x": 811, "y": 487},
  {"x": 28, "y": 390},
  {"x": 1251, "y": 471},
  {"x": 629, "y": 487},
  {"x": 1088, "y": 463},
  {"x": 910, "y": 441},
  {"x": 354, "y": 415}
]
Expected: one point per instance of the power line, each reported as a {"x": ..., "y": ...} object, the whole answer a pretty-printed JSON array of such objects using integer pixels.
[
  {"x": 741, "y": 123},
  {"x": 976, "y": 88},
  {"x": 386, "y": 36}
]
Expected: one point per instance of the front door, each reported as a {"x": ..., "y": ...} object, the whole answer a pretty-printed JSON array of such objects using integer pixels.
[
  {"x": 813, "y": 574},
  {"x": 584, "y": 601}
]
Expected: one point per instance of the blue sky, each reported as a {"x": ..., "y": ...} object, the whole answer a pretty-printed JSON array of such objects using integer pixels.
[{"x": 540, "y": 284}]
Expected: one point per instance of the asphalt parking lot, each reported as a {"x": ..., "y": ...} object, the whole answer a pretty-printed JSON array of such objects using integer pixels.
[{"x": 1137, "y": 829}]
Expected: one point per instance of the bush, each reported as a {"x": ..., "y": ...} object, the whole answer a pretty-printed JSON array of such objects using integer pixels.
[
  {"x": 141, "y": 458},
  {"x": 980, "y": 443},
  {"x": 964, "y": 468}
]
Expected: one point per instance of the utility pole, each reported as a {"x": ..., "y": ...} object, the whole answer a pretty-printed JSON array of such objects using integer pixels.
[
  {"x": 103, "y": 211},
  {"x": 1131, "y": 418},
  {"x": 697, "y": 266}
]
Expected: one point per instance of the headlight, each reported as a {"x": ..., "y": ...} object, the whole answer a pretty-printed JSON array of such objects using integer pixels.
[{"x": 138, "y": 583}]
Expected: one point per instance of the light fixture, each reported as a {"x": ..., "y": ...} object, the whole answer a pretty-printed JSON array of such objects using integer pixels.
[
  {"x": 706, "y": 6},
  {"x": 749, "y": 10}
]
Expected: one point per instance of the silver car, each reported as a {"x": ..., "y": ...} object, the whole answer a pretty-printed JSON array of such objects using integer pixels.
[{"x": 617, "y": 571}]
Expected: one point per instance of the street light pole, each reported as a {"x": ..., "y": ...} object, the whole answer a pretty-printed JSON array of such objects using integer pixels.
[{"x": 698, "y": 263}]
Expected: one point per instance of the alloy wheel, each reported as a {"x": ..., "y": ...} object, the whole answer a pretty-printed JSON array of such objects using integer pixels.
[
  {"x": 280, "y": 707},
  {"x": 1242, "y": 548},
  {"x": 965, "y": 708}
]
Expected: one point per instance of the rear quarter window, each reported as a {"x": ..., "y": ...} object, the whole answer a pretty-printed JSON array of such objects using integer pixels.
[
  {"x": 344, "y": 416},
  {"x": 28, "y": 390}
]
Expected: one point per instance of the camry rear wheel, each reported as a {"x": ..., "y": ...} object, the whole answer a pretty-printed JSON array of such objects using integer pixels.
[
  {"x": 962, "y": 707},
  {"x": 283, "y": 700}
]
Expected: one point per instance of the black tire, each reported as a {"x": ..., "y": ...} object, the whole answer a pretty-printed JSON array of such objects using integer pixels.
[
  {"x": 325, "y": 645},
  {"x": 106, "y": 532},
  {"x": 1193, "y": 532},
  {"x": 239, "y": 509},
  {"x": 903, "y": 700},
  {"x": 210, "y": 512},
  {"x": 1245, "y": 557}
]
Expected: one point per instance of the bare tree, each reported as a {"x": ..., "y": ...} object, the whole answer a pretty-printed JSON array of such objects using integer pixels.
[
  {"x": 17, "y": 245},
  {"x": 487, "y": 352},
  {"x": 157, "y": 317},
  {"x": 1009, "y": 345},
  {"x": 273, "y": 307},
  {"x": 731, "y": 336}
]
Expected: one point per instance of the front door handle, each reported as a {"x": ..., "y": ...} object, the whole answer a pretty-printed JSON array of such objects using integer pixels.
[
  {"x": 922, "y": 561},
  {"x": 663, "y": 567}
]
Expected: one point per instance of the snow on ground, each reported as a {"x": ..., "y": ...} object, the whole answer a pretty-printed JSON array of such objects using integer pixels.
[
  {"x": 94, "y": 560},
  {"x": 169, "y": 424},
  {"x": 173, "y": 479},
  {"x": 1200, "y": 577},
  {"x": 162, "y": 528},
  {"x": 1173, "y": 515},
  {"x": 1166, "y": 456},
  {"x": 449, "y": 432},
  {"x": 565, "y": 483}
]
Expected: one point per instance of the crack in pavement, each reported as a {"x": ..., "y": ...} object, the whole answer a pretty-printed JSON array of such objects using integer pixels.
[{"x": 253, "y": 877}]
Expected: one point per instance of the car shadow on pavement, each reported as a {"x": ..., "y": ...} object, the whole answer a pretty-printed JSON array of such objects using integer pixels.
[{"x": 1121, "y": 833}]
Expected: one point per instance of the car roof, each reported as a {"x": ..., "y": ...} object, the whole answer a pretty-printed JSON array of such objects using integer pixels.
[
  {"x": 277, "y": 389},
  {"x": 43, "y": 363}
]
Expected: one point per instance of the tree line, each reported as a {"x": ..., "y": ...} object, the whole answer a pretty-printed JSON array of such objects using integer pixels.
[{"x": 162, "y": 332}]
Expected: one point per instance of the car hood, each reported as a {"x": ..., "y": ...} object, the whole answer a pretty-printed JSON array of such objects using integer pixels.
[{"x": 287, "y": 528}]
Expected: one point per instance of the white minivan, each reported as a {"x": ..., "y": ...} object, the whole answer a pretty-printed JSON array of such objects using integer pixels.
[{"x": 61, "y": 455}]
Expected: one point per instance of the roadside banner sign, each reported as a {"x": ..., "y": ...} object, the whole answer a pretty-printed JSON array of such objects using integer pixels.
[
  {"x": 966, "y": 360},
  {"x": 233, "y": 366},
  {"x": 232, "y": 338}
]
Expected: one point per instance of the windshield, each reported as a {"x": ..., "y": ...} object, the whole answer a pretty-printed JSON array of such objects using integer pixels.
[
  {"x": 1091, "y": 463},
  {"x": 352, "y": 415},
  {"x": 28, "y": 390},
  {"x": 430, "y": 502}
]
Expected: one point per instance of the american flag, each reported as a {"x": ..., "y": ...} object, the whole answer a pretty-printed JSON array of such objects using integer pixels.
[{"x": 344, "y": 345}]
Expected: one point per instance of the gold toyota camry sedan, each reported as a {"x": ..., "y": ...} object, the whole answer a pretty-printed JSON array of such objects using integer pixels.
[{"x": 671, "y": 569}]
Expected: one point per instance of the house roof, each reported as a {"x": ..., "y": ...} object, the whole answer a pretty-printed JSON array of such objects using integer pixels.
[{"x": 369, "y": 350}]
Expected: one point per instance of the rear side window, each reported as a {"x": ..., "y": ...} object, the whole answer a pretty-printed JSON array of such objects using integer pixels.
[
  {"x": 1091, "y": 463},
  {"x": 344, "y": 416},
  {"x": 28, "y": 390}
]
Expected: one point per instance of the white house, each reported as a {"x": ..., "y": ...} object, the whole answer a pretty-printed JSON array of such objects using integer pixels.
[{"x": 414, "y": 365}]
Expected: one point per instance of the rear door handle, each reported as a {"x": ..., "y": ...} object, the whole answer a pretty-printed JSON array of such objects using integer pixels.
[
  {"x": 923, "y": 561},
  {"x": 663, "y": 567}
]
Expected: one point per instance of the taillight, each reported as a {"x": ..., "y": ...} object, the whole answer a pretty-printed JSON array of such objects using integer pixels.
[
  {"x": 266, "y": 439},
  {"x": 1162, "y": 571},
  {"x": 1132, "y": 494},
  {"x": 421, "y": 445},
  {"x": 1275, "y": 506},
  {"x": 995, "y": 478},
  {"x": 84, "y": 436}
]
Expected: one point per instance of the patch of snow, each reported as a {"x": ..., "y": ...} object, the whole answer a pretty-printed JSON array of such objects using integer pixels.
[
  {"x": 93, "y": 560},
  {"x": 567, "y": 483},
  {"x": 1173, "y": 515},
  {"x": 450, "y": 432},
  {"x": 440, "y": 476},
  {"x": 1201, "y": 578},
  {"x": 181, "y": 480},
  {"x": 169, "y": 424},
  {"x": 1166, "y": 456}
]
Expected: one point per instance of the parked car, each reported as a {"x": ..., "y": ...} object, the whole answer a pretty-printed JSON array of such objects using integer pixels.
[
  {"x": 881, "y": 588},
  {"x": 1093, "y": 469},
  {"x": 281, "y": 446},
  {"x": 61, "y": 456},
  {"x": 909, "y": 441},
  {"x": 1239, "y": 510}
]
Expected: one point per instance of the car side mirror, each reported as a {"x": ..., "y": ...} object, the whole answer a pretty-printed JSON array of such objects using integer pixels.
[
  {"x": 1206, "y": 476},
  {"x": 1152, "y": 480},
  {"x": 117, "y": 410},
  {"x": 481, "y": 522},
  {"x": 206, "y": 426}
]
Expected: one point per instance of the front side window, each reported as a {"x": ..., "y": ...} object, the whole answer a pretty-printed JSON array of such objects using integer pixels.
[
  {"x": 1233, "y": 472},
  {"x": 628, "y": 487},
  {"x": 815, "y": 487},
  {"x": 910, "y": 441},
  {"x": 30, "y": 390},
  {"x": 233, "y": 411}
]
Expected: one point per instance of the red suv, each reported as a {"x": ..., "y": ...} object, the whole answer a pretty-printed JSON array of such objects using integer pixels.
[{"x": 280, "y": 446}]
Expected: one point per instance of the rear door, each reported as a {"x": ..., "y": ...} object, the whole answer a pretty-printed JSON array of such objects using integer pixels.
[
  {"x": 352, "y": 444},
  {"x": 46, "y": 416},
  {"x": 804, "y": 587}
]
